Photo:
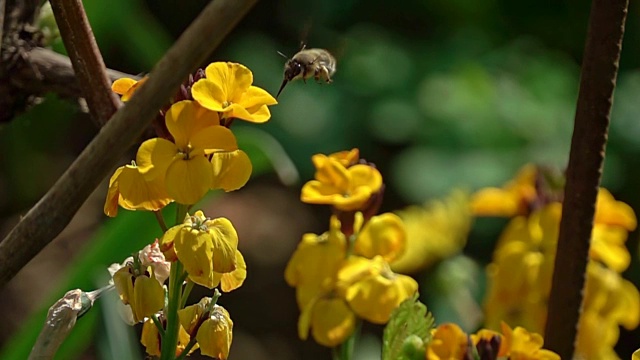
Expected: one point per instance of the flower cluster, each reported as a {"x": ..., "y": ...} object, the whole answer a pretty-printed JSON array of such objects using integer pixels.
[
  {"x": 194, "y": 152},
  {"x": 344, "y": 274},
  {"x": 522, "y": 268},
  {"x": 199, "y": 152},
  {"x": 450, "y": 342}
]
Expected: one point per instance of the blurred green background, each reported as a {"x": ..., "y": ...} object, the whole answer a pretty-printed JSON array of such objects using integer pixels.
[{"x": 439, "y": 94}]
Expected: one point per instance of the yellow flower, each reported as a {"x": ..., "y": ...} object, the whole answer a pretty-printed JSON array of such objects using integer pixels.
[
  {"x": 313, "y": 266},
  {"x": 227, "y": 89},
  {"x": 150, "y": 338},
  {"x": 204, "y": 246},
  {"x": 636, "y": 355},
  {"x": 126, "y": 87},
  {"x": 129, "y": 189},
  {"x": 371, "y": 289},
  {"x": 519, "y": 344},
  {"x": 330, "y": 319},
  {"x": 382, "y": 235},
  {"x": 216, "y": 333},
  {"x": 435, "y": 231},
  {"x": 142, "y": 292},
  {"x": 184, "y": 165},
  {"x": 609, "y": 301},
  {"x": 510, "y": 200},
  {"x": 347, "y": 189},
  {"x": 448, "y": 342}
]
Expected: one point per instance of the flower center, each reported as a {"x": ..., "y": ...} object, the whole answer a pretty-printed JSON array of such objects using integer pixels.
[
  {"x": 198, "y": 224},
  {"x": 185, "y": 152}
]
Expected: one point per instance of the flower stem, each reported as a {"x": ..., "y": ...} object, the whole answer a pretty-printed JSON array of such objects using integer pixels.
[
  {"x": 346, "y": 349},
  {"x": 154, "y": 317},
  {"x": 160, "y": 219},
  {"x": 186, "y": 292},
  {"x": 181, "y": 212},
  {"x": 170, "y": 340}
]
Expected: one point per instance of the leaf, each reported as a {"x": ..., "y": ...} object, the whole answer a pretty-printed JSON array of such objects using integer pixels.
[{"x": 409, "y": 322}]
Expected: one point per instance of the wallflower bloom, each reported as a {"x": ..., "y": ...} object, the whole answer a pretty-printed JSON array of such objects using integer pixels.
[
  {"x": 519, "y": 344},
  {"x": 126, "y": 87},
  {"x": 142, "y": 292},
  {"x": 227, "y": 89},
  {"x": 314, "y": 264},
  {"x": 347, "y": 189},
  {"x": 448, "y": 342},
  {"x": 382, "y": 235},
  {"x": 216, "y": 333},
  {"x": 204, "y": 246},
  {"x": 435, "y": 231},
  {"x": 184, "y": 165},
  {"x": 510, "y": 200},
  {"x": 371, "y": 289},
  {"x": 129, "y": 189}
]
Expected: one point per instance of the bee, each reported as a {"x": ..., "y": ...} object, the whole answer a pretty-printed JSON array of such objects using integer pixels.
[{"x": 318, "y": 63}]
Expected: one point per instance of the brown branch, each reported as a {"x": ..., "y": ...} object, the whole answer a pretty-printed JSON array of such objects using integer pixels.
[
  {"x": 598, "y": 80},
  {"x": 43, "y": 71},
  {"x": 54, "y": 211},
  {"x": 86, "y": 59}
]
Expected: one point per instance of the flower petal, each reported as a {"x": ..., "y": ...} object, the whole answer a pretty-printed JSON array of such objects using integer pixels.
[
  {"x": 188, "y": 180},
  {"x": 111, "y": 203},
  {"x": 214, "y": 138},
  {"x": 256, "y": 96},
  {"x": 137, "y": 193},
  {"x": 231, "y": 170},
  {"x": 332, "y": 322},
  {"x": 122, "y": 85},
  {"x": 235, "y": 279},
  {"x": 382, "y": 235},
  {"x": 234, "y": 79},
  {"x": 154, "y": 157},
  {"x": 225, "y": 244},
  {"x": 185, "y": 119},
  {"x": 209, "y": 95},
  {"x": 195, "y": 251}
]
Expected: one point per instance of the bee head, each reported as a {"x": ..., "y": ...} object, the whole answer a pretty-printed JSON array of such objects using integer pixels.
[{"x": 292, "y": 69}]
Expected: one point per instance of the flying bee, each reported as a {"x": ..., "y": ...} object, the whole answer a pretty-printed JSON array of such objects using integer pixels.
[{"x": 318, "y": 63}]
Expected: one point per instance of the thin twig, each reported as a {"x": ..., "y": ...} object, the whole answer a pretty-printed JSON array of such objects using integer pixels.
[
  {"x": 45, "y": 71},
  {"x": 598, "y": 80},
  {"x": 56, "y": 208},
  {"x": 86, "y": 59}
]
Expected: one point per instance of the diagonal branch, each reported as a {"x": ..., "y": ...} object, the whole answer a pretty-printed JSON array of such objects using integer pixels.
[
  {"x": 598, "y": 80},
  {"x": 54, "y": 211},
  {"x": 86, "y": 58}
]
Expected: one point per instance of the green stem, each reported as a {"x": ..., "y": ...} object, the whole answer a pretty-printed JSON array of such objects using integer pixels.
[
  {"x": 170, "y": 340},
  {"x": 181, "y": 212},
  {"x": 160, "y": 219},
  {"x": 154, "y": 317},
  {"x": 347, "y": 347},
  {"x": 186, "y": 292}
]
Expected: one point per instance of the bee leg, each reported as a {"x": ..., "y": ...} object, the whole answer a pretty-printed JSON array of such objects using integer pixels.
[{"x": 322, "y": 73}]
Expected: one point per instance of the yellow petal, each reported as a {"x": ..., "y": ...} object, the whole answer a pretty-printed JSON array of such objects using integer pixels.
[
  {"x": 111, "y": 203},
  {"x": 365, "y": 176},
  {"x": 332, "y": 322},
  {"x": 382, "y": 235},
  {"x": 185, "y": 119},
  {"x": 258, "y": 114},
  {"x": 123, "y": 281},
  {"x": 256, "y": 96},
  {"x": 235, "y": 279},
  {"x": 231, "y": 170},
  {"x": 122, "y": 85},
  {"x": 195, "y": 250},
  {"x": 495, "y": 202},
  {"x": 150, "y": 338},
  {"x": 154, "y": 157},
  {"x": 233, "y": 78},
  {"x": 187, "y": 181},
  {"x": 331, "y": 171},
  {"x": 225, "y": 244},
  {"x": 214, "y": 138},
  {"x": 137, "y": 193},
  {"x": 148, "y": 297},
  {"x": 612, "y": 212},
  {"x": 210, "y": 95}
]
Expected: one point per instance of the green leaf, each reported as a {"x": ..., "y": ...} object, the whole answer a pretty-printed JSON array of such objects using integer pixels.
[{"x": 408, "y": 331}]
